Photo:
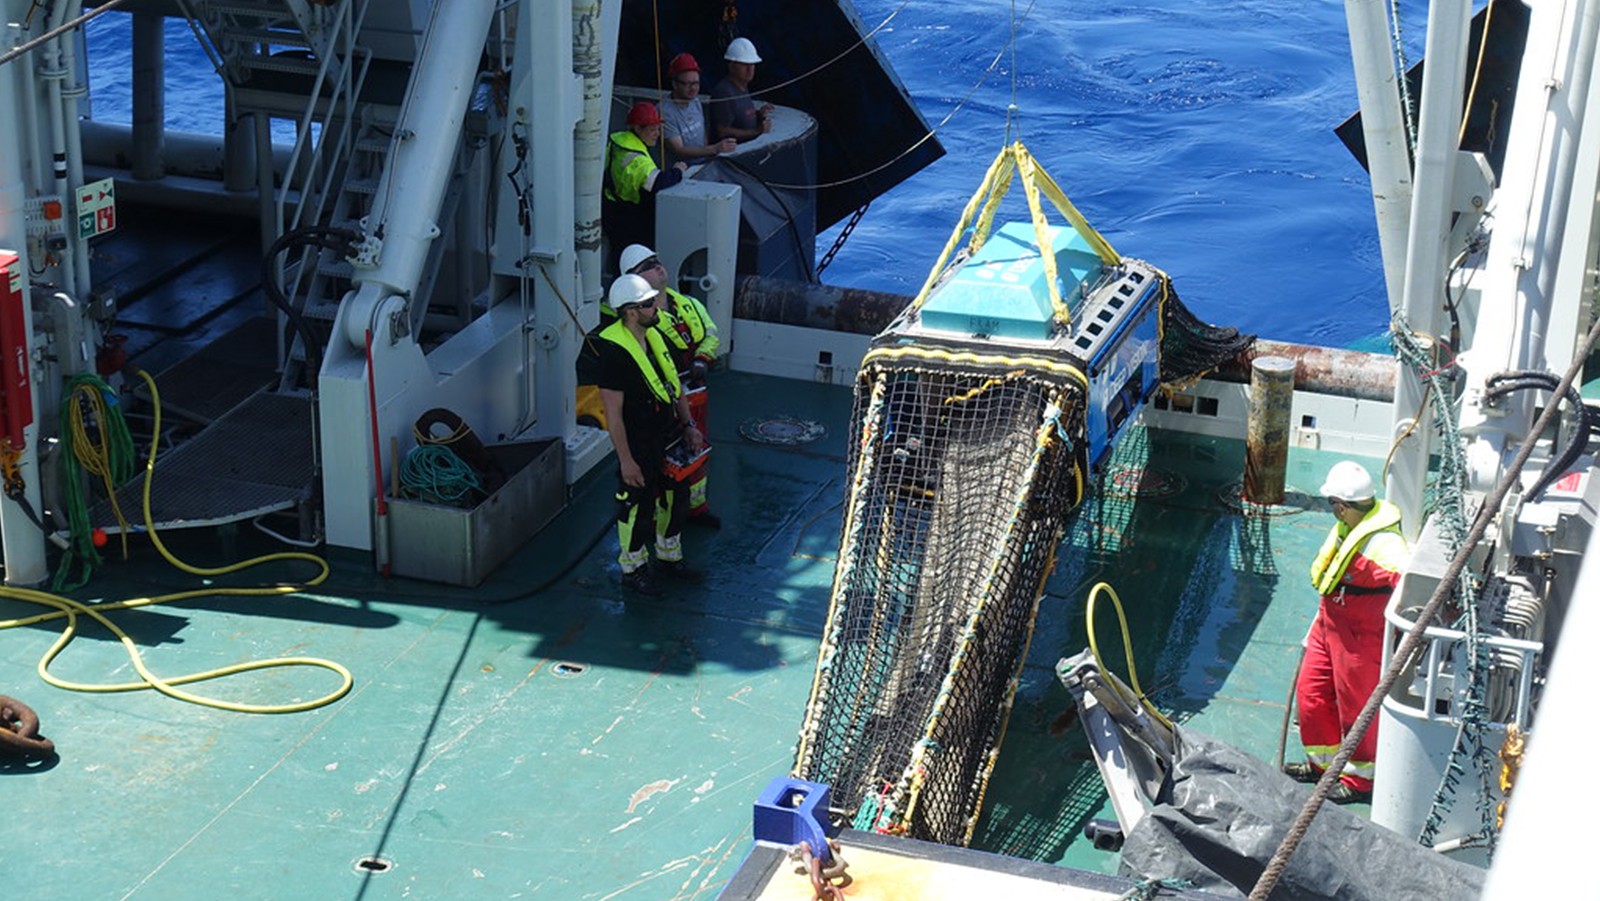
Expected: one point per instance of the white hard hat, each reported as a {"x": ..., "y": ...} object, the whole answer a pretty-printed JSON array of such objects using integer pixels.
[
  {"x": 628, "y": 290},
  {"x": 740, "y": 50},
  {"x": 1348, "y": 481},
  {"x": 633, "y": 255}
]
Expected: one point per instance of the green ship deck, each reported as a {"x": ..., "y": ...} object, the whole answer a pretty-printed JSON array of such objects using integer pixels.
[{"x": 544, "y": 736}]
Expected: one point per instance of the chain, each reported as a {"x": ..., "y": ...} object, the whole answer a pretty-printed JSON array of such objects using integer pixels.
[
  {"x": 844, "y": 235},
  {"x": 1510, "y": 765},
  {"x": 827, "y": 881},
  {"x": 1151, "y": 888}
]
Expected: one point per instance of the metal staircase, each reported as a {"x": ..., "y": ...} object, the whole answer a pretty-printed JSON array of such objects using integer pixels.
[
  {"x": 305, "y": 63},
  {"x": 302, "y": 62},
  {"x": 292, "y": 59}
]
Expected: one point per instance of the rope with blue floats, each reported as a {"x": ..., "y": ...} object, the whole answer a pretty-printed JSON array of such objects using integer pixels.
[{"x": 1446, "y": 504}]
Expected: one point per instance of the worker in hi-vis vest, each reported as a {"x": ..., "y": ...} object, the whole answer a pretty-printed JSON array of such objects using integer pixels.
[
  {"x": 1355, "y": 572},
  {"x": 693, "y": 342},
  {"x": 632, "y": 178},
  {"x": 645, "y": 413}
]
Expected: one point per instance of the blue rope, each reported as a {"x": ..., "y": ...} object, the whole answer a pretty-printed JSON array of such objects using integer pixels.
[{"x": 434, "y": 473}]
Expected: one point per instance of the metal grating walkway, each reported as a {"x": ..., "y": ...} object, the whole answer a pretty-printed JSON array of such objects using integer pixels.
[{"x": 255, "y": 459}]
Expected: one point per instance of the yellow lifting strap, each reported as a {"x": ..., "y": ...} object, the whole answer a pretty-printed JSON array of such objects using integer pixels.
[{"x": 1015, "y": 158}]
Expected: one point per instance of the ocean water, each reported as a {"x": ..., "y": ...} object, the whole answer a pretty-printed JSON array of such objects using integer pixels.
[{"x": 1195, "y": 134}]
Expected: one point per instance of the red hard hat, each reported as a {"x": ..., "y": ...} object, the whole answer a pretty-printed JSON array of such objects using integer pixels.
[
  {"x": 644, "y": 113},
  {"x": 680, "y": 64}
]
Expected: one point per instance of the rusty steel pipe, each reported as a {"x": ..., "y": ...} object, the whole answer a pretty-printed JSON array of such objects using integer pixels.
[
  {"x": 1266, "y": 442},
  {"x": 831, "y": 307},
  {"x": 1321, "y": 370}
]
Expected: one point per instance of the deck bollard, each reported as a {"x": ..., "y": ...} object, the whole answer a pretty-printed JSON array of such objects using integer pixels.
[{"x": 1267, "y": 430}]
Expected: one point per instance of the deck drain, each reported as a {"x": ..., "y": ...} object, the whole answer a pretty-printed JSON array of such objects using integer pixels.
[
  {"x": 373, "y": 865},
  {"x": 1138, "y": 481},
  {"x": 568, "y": 670},
  {"x": 789, "y": 430}
]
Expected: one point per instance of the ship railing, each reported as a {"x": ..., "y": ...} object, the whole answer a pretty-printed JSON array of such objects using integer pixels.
[
  {"x": 238, "y": 38},
  {"x": 1439, "y": 679}
]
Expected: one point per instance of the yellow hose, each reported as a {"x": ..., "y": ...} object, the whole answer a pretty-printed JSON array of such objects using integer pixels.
[
  {"x": 95, "y": 455},
  {"x": 1127, "y": 646},
  {"x": 70, "y": 609}
]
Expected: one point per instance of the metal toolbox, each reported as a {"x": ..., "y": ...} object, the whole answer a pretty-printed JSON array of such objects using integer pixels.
[{"x": 462, "y": 545}]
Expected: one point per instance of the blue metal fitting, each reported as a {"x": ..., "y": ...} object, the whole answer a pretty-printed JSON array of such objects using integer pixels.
[{"x": 790, "y": 811}]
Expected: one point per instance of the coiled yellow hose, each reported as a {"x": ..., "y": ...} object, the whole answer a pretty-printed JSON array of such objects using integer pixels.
[{"x": 71, "y": 609}]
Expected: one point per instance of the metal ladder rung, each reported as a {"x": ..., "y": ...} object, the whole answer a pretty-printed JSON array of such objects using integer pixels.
[
  {"x": 277, "y": 37},
  {"x": 320, "y": 309},
  {"x": 287, "y": 64},
  {"x": 367, "y": 186},
  {"x": 337, "y": 269},
  {"x": 266, "y": 10}
]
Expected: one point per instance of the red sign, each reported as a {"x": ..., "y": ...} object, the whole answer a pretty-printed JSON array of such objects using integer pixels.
[{"x": 1571, "y": 483}]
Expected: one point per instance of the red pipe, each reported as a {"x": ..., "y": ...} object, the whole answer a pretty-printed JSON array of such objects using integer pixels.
[{"x": 377, "y": 454}]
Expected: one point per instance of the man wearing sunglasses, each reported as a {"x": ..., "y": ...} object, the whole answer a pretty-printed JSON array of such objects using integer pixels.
[
  {"x": 692, "y": 340},
  {"x": 645, "y": 412},
  {"x": 1355, "y": 572}
]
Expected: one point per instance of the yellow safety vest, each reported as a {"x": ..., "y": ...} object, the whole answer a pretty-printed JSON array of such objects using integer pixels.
[
  {"x": 628, "y": 166},
  {"x": 1336, "y": 553},
  {"x": 666, "y": 391},
  {"x": 702, "y": 331}
]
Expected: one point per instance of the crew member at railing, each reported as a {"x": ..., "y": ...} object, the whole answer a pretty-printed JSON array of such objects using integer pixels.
[
  {"x": 632, "y": 178},
  {"x": 1355, "y": 572},
  {"x": 733, "y": 113},
  {"x": 683, "y": 119}
]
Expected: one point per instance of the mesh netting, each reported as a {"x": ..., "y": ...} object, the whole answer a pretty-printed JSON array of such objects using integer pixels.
[
  {"x": 964, "y": 468},
  {"x": 965, "y": 462},
  {"x": 1191, "y": 348}
]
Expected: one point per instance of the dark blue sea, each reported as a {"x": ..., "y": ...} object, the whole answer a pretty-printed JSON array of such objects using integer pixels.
[{"x": 1195, "y": 134}]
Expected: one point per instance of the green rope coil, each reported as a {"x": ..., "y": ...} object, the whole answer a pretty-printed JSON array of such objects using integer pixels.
[
  {"x": 434, "y": 473},
  {"x": 95, "y": 434}
]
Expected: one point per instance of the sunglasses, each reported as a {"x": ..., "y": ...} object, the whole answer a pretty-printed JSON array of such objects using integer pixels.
[{"x": 645, "y": 266}]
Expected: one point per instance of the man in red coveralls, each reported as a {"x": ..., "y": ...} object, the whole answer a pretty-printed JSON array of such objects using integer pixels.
[{"x": 1355, "y": 572}]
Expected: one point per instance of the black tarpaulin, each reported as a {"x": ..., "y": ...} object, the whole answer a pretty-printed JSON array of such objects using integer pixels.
[{"x": 1223, "y": 813}]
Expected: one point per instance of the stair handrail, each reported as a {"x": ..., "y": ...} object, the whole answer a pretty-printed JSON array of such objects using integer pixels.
[{"x": 336, "y": 124}]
